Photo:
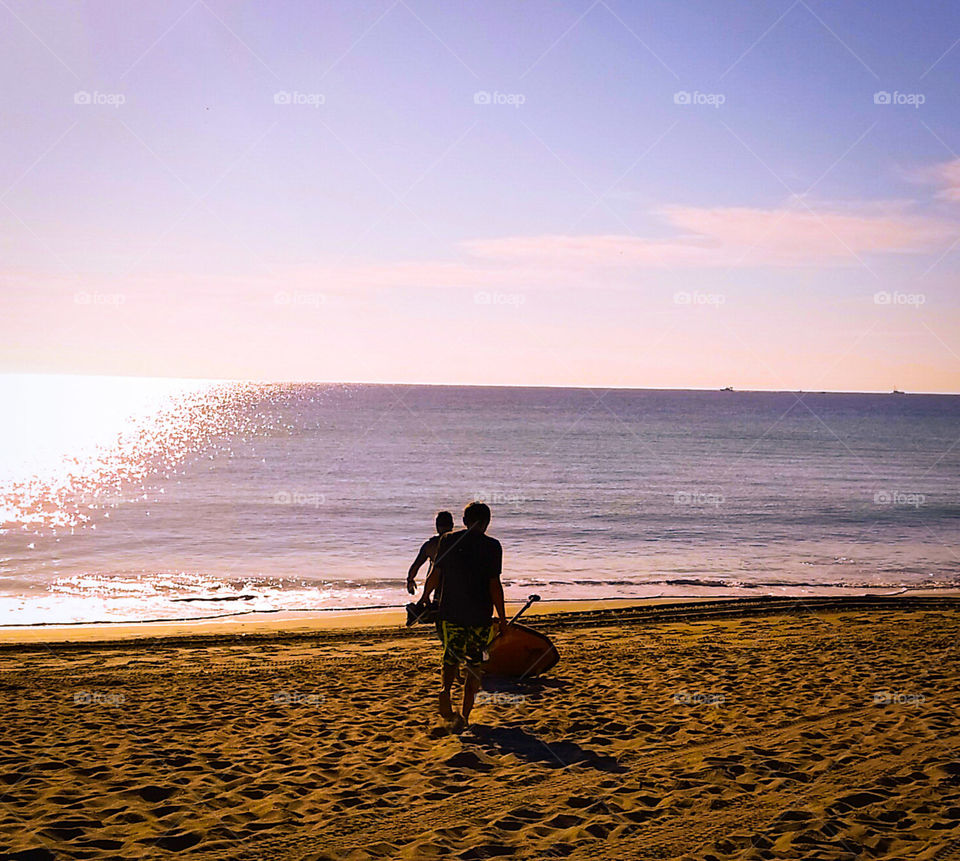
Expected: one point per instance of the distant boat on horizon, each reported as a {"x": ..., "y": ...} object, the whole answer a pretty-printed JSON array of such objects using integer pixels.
[
  {"x": 896, "y": 392},
  {"x": 727, "y": 389}
]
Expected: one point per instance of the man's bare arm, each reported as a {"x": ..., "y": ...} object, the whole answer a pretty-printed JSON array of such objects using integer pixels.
[
  {"x": 422, "y": 557},
  {"x": 433, "y": 581},
  {"x": 496, "y": 594}
]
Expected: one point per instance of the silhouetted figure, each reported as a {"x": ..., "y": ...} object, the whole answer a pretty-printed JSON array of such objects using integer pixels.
[
  {"x": 467, "y": 573},
  {"x": 428, "y": 551}
]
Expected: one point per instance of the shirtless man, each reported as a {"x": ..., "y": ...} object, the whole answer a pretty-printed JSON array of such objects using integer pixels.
[{"x": 444, "y": 525}]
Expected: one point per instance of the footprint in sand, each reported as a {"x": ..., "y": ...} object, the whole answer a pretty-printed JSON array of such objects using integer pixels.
[
  {"x": 178, "y": 841},
  {"x": 466, "y": 759},
  {"x": 155, "y": 794}
]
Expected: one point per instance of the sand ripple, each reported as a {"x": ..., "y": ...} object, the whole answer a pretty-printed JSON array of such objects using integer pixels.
[{"x": 816, "y": 737}]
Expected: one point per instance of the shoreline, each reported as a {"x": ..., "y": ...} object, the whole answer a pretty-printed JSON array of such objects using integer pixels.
[
  {"x": 284, "y": 624},
  {"x": 276, "y": 623}
]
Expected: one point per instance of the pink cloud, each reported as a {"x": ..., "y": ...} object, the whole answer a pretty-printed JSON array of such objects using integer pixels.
[
  {"x": 695, "y": 237},
  {"x": 950, "y": 177},
  {"x": 698, "y": 237},
  {"x": 734, "y": 236},
  {"x": 801, "y": 234},
  {"x": 588, "y": 251},
  {"x": 946, "y": 175}
]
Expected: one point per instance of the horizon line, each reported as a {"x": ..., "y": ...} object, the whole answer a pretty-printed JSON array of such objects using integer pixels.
[{"x": 731, "y": 390}]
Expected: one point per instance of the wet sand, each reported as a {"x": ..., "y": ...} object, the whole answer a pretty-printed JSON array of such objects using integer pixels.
[
  {"x": 801, "y": 731},
  {"x": 280, "y": 622}
]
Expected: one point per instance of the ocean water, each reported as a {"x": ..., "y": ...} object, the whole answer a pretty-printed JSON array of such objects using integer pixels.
[{"x": 126, "y": 499}]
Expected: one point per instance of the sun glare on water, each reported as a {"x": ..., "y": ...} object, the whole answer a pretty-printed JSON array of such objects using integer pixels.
[{"x": 72, "y": 444}]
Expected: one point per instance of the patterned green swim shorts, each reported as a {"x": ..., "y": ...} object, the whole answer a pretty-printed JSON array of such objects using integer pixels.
[{"x": 464, "y": 644}]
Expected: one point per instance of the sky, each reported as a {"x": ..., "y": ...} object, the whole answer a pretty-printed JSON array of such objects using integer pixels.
[{"x": 642, "y": 194}]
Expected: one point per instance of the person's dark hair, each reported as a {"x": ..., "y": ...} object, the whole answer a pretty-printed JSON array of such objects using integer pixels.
[
  {"x": 476, "y": 512},
  {"x": 444, "y": 521}
]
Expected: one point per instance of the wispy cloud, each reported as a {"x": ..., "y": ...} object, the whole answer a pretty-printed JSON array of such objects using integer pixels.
[
  {"x": 945, "y": 175},
  {"x": 794, "y": 234}
]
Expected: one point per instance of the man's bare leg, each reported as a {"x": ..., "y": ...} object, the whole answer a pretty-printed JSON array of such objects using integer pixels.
[
  {"x": 470, "y": 687},
  {"x": 450, "y": 673}
]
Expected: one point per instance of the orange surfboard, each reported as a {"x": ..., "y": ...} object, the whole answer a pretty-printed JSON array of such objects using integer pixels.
[{"x": 520, "y": 653}]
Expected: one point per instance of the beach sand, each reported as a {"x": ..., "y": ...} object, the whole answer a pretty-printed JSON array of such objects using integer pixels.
[{"x": 819, "y": 734}]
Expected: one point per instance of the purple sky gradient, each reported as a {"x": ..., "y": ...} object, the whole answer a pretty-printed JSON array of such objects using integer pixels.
[{"x": 632, "y": 194}]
